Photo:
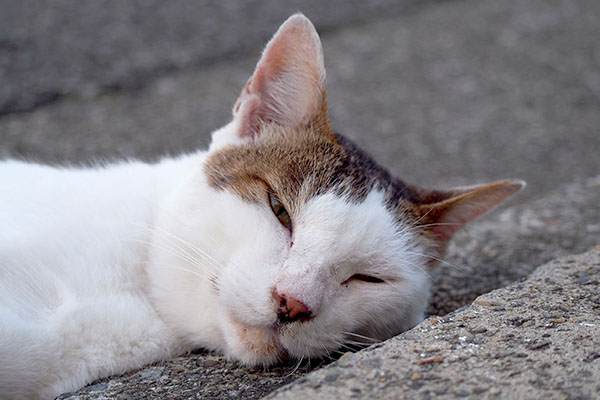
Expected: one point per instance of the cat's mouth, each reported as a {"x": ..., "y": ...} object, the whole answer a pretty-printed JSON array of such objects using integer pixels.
[
  {"x": 260, "y": 345},
  {"x": 267, "y": 345},
  {"x": 270, "y": 342}
]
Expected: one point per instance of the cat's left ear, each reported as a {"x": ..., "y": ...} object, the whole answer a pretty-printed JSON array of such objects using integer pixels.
[
  {"x": 288, "y": 84},
  {"x": 442, "y": 213}
]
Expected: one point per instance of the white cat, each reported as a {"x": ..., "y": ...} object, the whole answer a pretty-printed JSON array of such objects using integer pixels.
[{"x": 282, "y": 240}]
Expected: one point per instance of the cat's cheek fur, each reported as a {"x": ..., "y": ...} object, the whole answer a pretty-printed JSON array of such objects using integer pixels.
[
  {"x": 250, "y": 345},
  {"x": 336, "y": 239},
  {"x": 207, "y": 264},
  {"x": 259, "y": 246},
  {"x": 333, "y": 239},
  {"x": 221, "y": 295}
]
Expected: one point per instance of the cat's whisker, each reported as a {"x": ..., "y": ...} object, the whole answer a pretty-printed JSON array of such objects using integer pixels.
[
  {"x": 207, "y": 258},
  {"x": 373, "y": 340},
  {"x": 154, "y": 229},
  {"x": 441, "y": 224},
  {"x": 338, "y": 353},
  {"x": 176, "y": 251},
  {"x": 151, "y": 230},
  {"x": 344, "y": 346},
  {"x": 175, "y": 268},
  {"x": 198, "y": 251},
  {"x": 209, "y": 279},
  {"x": 459, "y": 268},
  {"x": 419, "y": 267},
  {"x": 185, "y": 257},
  {"x": 216, "y": 259},
  {"x": 356, "y": 343},
  {"x": 340, "y": 343},
  {"x": 416, "y": 223},
  {"x": 178, "y": 291},
  {"x": 296, "y": 367},
  {"x": 191, "y": 246},
  {"x": 327, "y": 351}
]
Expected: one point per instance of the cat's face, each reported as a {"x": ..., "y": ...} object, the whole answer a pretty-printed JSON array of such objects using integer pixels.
[
  {"x": 298, "y": 241},
  {"x": 322, "y": 250}
]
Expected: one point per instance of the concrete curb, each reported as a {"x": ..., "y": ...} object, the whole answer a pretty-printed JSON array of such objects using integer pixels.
[{"x": 534, "y": 339}]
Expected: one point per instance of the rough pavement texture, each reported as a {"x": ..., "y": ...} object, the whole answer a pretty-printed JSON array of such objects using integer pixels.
[
  {"x": 534, "y": 339},
  {"x": 201, "y": 376},
  {"x": 442, "y": 93}
]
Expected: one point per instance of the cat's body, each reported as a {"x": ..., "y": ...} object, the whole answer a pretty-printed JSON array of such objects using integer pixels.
[
  {"x": 282, "y": 240},
  {"x": 73, "y": 292}
]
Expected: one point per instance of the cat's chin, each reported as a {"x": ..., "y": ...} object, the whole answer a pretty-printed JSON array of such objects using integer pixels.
[
  {"x": 253, "y": 346},
  {"x": 270, "y": 345}
]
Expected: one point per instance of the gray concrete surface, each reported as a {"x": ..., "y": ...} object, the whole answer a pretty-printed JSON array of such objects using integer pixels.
[
  {"x": 534, "y": 339},
  {"x": 442, "y": 93},
  {"x": 49, "y": 50}
]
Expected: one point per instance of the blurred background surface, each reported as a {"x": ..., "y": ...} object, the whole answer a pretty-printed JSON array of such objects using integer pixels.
[{"x": 440, "y": 92}]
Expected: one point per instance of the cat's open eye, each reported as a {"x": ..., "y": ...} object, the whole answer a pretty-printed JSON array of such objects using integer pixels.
[
  {"x": 280, "y": 212},
  {"x": 364, "y": 278}
]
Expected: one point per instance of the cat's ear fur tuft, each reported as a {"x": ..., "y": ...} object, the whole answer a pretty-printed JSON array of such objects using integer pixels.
[
  {"x": 288, "y": 84},
  {"x": 442, "y": 213}
]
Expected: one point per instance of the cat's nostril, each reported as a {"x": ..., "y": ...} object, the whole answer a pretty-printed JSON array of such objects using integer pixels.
[{"x": 291, "y": 310}]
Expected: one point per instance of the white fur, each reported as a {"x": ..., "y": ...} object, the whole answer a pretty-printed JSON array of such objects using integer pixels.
[
  {"x": 106, "y": 269},
  {"x": 252, "y": 255},
  {"x": 73, "y": 248}
]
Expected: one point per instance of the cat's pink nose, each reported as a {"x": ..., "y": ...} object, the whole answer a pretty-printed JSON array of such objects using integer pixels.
[{"x": 290, "y": 309}]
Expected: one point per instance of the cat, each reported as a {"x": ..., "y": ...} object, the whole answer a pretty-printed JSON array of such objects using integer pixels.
[{"x": 283, "y": 240}]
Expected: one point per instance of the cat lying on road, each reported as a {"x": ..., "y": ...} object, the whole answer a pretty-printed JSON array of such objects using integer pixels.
[{"x": 283, "y": 240}]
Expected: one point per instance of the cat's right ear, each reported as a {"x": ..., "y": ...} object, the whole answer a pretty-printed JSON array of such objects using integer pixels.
[
  {"x": 287, "y": 87},
  {"x": 442, "y": 213}
]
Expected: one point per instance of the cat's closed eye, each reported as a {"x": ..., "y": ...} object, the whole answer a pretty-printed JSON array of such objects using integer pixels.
[
  {"x": 363, "y": 278},
  {"x": 280, "y": 212}
]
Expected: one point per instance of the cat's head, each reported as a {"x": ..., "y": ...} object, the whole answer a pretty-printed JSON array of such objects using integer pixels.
[{"x": 296, "y": 240}]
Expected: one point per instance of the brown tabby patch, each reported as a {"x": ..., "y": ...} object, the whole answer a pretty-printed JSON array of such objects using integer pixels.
[{"x": 297, "y": 164}]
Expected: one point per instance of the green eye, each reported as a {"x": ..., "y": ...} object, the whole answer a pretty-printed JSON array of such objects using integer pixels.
[{"x": 280, "y": 212}]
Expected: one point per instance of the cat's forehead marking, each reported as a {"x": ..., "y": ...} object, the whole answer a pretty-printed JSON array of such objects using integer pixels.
[{"x": 299, "y": 164}]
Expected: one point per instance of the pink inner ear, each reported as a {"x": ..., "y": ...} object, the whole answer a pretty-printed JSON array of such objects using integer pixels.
[
  {"x": 288, "y": 84},
  {"x": 447, "y": 216},
  {"x": 249, "y": 114}
]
